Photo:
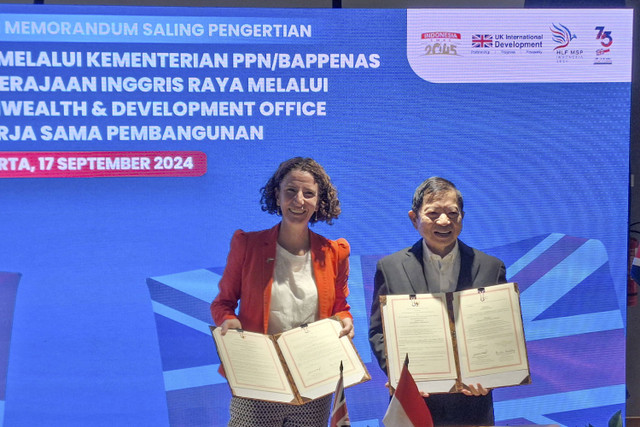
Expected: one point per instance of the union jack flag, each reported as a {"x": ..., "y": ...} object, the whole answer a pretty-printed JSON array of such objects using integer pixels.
[
  {"x": 574, "y": 328},
  {"x": 482, "y": 40},
  {"x": 339, "y": 413}
]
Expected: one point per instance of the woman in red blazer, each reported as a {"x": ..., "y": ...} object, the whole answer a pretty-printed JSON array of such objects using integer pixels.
[{"x": 284, "y": 277}]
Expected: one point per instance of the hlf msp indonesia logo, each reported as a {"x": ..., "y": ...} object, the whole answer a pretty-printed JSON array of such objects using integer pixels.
[{"x": 563, "y": 36}]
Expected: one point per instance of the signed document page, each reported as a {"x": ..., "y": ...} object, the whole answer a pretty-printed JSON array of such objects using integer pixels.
[
  {"x": 252, "y": 366},
  {"x": 313, "y": 354},
  {"x": 490, "y": 336},
  {"x": 418, "y": 326}
]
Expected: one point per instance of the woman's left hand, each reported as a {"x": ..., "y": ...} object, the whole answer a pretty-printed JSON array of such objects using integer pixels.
[{"x": 347, "y": 327}]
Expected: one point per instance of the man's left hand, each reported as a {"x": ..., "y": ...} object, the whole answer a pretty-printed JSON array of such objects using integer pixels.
[{"x": 478, "y": 390}]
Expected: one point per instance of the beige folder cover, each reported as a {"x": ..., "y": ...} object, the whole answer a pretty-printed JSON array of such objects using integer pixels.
[
  {"x": 474, "y": 336},
  {"x": 293, "y": 367}
]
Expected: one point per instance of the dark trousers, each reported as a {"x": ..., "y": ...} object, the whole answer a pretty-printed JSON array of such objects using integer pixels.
[{"x": 457, "y": 409}]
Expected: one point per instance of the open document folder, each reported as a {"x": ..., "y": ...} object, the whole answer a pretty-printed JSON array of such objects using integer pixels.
[
  {"x": 458, "y": 338},
  {"x": 293, "y": 367}
]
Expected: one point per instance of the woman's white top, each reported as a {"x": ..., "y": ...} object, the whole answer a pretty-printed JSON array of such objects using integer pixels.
[{"x": 294, "y": 296}]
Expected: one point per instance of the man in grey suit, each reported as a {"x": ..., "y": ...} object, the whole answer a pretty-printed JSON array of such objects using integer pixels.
[{"x": 438, "y": 262}]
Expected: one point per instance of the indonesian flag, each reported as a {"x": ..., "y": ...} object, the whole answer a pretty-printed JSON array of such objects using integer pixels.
[
  {"x": 407, "y": 407},
  {"x": 339, "y": 414},
  {"x": 635, "y": 268},
  {"x": 634, "y": 273}
]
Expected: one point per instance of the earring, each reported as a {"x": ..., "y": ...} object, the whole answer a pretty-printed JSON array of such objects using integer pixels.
[
  {"x": 279, "y": 211},
  {"x": 314, "y": 217}
]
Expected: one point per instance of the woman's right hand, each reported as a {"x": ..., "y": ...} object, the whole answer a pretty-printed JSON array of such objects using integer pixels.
[{"x": 230, "y": 324}]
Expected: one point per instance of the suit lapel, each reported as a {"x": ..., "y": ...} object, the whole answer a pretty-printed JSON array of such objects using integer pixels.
[
  {"x": 466, "y": 263},
  {"x": 268, "y": 255},
  {"x": 266, "y": 258},
  {"x": 318, "y": 259},
  {"x": 323, "y": 272},
  {"x": 414, "y": 269}
]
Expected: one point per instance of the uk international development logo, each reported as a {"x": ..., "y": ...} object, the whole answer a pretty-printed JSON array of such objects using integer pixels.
[
  {"x": 441, "y": 43},
  {"x": 563, "y": 37},
  {"x": 507, "y": 44}
]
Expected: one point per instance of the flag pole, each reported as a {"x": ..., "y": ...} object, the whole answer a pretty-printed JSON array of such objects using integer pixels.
[{"x": 339, "y": 413}]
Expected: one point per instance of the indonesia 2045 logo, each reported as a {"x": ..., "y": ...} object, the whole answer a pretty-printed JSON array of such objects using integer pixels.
[{"x": 441, "y": 43}]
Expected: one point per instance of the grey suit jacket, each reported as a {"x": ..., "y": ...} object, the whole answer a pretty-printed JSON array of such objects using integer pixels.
[{"x": 403, "y": 273}]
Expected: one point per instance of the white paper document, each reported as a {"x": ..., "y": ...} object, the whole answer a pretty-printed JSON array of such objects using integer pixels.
[
  {"x": 451, "y": 340},
  {"x": 294, "y": 367}
]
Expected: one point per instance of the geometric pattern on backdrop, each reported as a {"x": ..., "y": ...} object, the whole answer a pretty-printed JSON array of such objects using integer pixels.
[
  {"x": 572, "y": 321},
  {"x": 574, "y": 329},
  {"x": 197, "y": 395},
  {"x": 8, "y": 291}
]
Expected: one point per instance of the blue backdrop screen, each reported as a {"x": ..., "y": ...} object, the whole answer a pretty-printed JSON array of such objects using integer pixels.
[{"x": 134, "y": 142}]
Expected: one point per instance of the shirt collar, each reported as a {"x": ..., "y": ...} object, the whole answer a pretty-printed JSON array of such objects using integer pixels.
[{"x": 449, "y": 258}]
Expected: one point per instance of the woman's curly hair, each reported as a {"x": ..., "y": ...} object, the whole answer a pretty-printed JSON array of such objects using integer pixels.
[{"x": 328, "y": 203}]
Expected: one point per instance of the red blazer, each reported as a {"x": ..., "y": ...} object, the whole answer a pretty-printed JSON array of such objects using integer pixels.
[{"x": 248, "y": 276}]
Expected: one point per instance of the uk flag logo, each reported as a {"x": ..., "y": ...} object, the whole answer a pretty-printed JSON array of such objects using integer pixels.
[{"x": 482, "y": 40}]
